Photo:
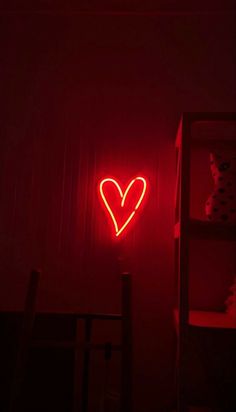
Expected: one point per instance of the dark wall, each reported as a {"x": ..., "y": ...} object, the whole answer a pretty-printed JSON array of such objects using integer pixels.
[{"x": 83, "y": 97}]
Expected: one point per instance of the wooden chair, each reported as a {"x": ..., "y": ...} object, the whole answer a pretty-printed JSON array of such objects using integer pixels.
[{"x": 86, "y": 346}]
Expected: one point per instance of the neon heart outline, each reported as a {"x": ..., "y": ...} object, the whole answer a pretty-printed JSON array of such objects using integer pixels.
[{"x": 123, "y": 197}]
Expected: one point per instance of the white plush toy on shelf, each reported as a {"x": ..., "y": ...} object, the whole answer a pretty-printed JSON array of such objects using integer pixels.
[
  {"x": 221, "y": 204},
  {"x": 230, "y": 303}
]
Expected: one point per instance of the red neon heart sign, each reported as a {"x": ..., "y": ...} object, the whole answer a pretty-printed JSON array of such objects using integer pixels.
[{"x": 137, "y": 193}]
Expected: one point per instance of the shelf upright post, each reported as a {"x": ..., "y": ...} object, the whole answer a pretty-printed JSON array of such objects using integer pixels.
[{"x": 183, "y": 259}]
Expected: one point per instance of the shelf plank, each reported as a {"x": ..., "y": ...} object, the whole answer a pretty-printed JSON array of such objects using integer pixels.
[
  {"x": 215, "y": 144},
  {"x": 200, "y": 229},
  {"x": 209, "y": 116},
  {"x": 207, "y": 319},
  {"x": 204, "y": 134},
  {"x": 212, "y": 230}
]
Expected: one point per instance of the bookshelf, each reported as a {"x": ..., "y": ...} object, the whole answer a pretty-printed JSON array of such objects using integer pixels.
[{"x": 187, "y": 227}]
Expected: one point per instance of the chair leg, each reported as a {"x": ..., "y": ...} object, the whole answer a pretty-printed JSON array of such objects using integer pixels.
[
  {"x": 86, "y": 364},
  {"x": 126, "y": 384}
]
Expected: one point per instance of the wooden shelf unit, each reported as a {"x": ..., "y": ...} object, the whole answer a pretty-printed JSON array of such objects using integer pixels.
[{"x": 186, "y": 228}]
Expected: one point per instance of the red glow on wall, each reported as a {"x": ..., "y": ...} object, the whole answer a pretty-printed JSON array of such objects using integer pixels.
[{"x": 122, "y": 205}]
